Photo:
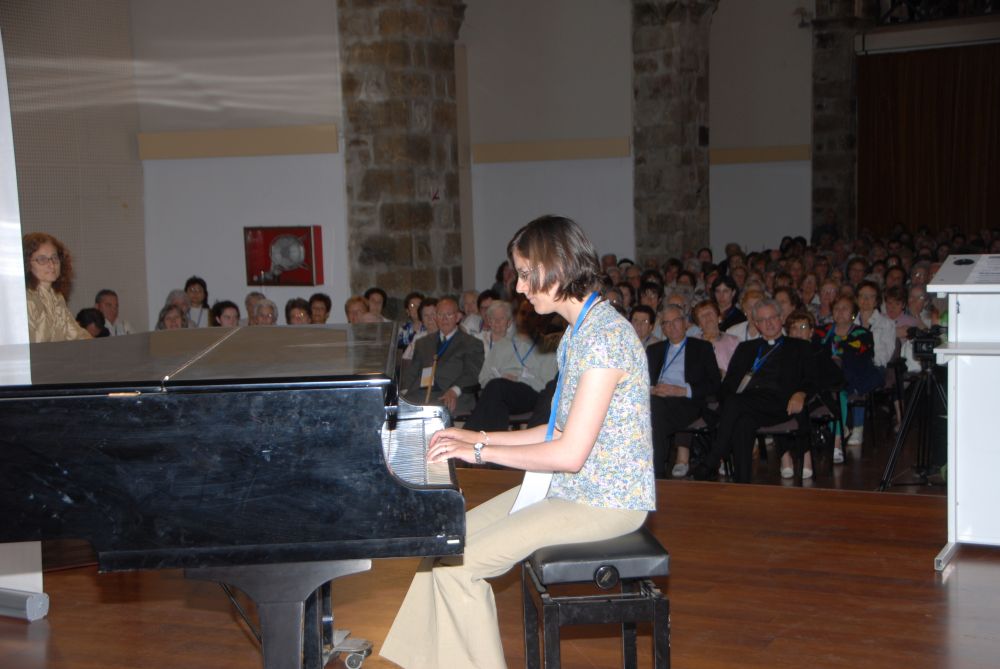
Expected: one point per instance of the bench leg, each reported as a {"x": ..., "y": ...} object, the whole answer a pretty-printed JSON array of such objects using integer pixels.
[
  {"x": 530, "y": 618},
  {"x": 550, "y": 624},
  {"x": 661, "y": 632},
  {"x": 630, "y": 654}
]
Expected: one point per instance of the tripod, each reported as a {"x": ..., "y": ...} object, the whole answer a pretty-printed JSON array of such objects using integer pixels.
[{"x": 924, "y": 398}]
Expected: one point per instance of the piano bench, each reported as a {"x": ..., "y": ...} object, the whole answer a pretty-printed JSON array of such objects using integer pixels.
[{"x": 631, "y": 560}]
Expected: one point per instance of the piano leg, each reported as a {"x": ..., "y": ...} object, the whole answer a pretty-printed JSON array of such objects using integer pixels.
[{"x": 280, "y": 592}]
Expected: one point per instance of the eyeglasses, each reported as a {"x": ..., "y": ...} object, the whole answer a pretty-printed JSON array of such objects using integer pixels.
[
  {"x": 800, "y": 326},
  {"x": 46, "y": 260}
]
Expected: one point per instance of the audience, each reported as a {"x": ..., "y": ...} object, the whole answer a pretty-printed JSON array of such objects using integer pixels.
[
  {"x": 172, "y": 317},
  {"x": 319, "y": 308},
  {"x": 226, "y": 314},
  {"x": 643, "y": 319},
  {"x": 445, "y": 368},
  {"x": 683, "y": 374},
  {"x": 265, "y": 312},
  {"x": 92, "y": 320},
  {"x": 376, "y": 298},
  {"x": 199, "y": 315},
  {"x": 106, "y": 302},
  {"x": 297, "y": 312}
]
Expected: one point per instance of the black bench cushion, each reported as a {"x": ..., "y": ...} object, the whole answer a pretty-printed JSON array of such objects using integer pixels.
[{"x": 635, "y": 555}]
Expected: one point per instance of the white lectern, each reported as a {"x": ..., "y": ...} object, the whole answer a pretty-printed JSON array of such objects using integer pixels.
[{"x": 972, "y": 285}]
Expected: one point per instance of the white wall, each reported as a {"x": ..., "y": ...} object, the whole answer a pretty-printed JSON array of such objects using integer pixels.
[
  {"x": 196, "y": 211},
  {"x": 757, "y": 204},
  {"x": 21, "y": 563},
  {"x": 597, "y": 194}
]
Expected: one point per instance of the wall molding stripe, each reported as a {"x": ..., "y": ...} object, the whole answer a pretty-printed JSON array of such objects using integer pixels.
[
  {"x": 559, "y": 149},
  {"x": 238, "y": 142},
  {"x": 760, "y": 154}
]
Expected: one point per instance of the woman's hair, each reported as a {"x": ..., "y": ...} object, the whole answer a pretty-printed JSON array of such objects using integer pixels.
[
  {"x": 220, "y": 307},
  {"x": 91, "y": 316},
  {"x": 176, "y": 294},
  {"x": 726, "y": 280},
  {"x": 800, "y": 315},
  {"x": 557, "y": 245},
  {"x": 867, "y": 283},
  {"x": 201, "y": 282},
  {"x": 30, "y": 243},
  {"x": 160, "y": 325},
  {"x": 321, "y": 297},
  {"x": 424, "y": 303},
  {"x": 705, "y": 304}
]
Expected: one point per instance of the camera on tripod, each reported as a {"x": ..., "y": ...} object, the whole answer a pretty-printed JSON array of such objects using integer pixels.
[{"x": 924, "y": 341}]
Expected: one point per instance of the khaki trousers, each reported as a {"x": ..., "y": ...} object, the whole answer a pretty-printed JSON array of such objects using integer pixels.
[{"x": 448, "y": 618}]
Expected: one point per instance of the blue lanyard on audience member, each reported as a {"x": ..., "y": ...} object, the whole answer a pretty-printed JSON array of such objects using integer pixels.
[
  {"x": 671, "y": 361},
  {"x": 521, "y": 359},
  {"x": 442, "y": 347},
  {"x": 759, "y": 361},
  {"x": 562, "y": 365}
]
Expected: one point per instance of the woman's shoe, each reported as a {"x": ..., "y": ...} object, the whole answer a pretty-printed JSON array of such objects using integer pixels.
[
  {"x": 857, "y": 436},
  {"x": 680, "y": 470},
  {"x": 838, "y": 455},
  {"x": 788, "y": 472},
  {"x": 806, "y": 473}
]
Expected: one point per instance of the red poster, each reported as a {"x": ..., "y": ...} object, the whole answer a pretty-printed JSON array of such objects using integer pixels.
[{"x": 284, "y": 256}]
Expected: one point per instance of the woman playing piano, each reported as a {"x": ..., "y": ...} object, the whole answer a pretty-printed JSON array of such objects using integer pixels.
[{"x": 590, "y": 470}]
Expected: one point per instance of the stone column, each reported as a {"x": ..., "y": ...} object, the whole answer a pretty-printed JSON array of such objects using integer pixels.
[
  {"x": 670, "y": 43},
  {"x": 835, "y": 113},
  {"x": 398, "y": 78}
]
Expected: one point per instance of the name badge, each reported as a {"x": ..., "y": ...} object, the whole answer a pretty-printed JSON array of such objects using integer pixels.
[{"x": 426, "y": 377}]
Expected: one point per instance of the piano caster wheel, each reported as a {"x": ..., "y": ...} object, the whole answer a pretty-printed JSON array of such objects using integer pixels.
[{"x": 354, "y": 661}]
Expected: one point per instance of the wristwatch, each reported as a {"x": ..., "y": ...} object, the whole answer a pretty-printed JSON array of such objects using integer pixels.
[{"x": 478, "y": 449}]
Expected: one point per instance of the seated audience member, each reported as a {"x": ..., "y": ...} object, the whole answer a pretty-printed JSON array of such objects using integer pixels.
[
  {"x": 499, "y": 318},
  {"x": 767, "y": 382},
  {"x": 608, "y": 260},
  {"x": 226, "y": 314},
  {"x": 445, "y": 367},
  {"x": 920, "y": 307},
  {"x": 355, "y": 308},
  {"x": 726, "y": 293},
  {"x": 628, "y": 295},
  {"x": 515, "y": 370},
  {"x": 297, "y": 312},
  {"x": 683, "y": 373},
  {"x": 472, "y": 322},
  {"x": 92, "y": 320},
  {"x": 319, "y": 308},
  {"x": 895, "y": 310},
  {"x": 746, "y": 330},
  {"x": 651, "y": 295},
  {"x": 829, "y": 290},
  {"x": 265, "y": 312},
  {"x": 180, "y": 299},
  {"x": 199, "y": 315},
  {"x": 643, "y": 319},
  {"x": 613, "y": 296},
  {"x": 706, "y": 315},
  {"x": 48, "y": 271},
  {"x": 857, "y": 270},
  {"x": 895, "y": 276},
  {"x": 376, "y": 298},
  {"x": 883, "y": 330},
  {"x": 828, "y": 377},
  {"x": 250, "y": 302},
  {"x": 505, "y": 279},
  {"x": 854, "y": 346},
  {"x": 411, "y": 322},
  {"x": 787, "y": 299},
  {"x": 427, "y": 312},
  {"x": 107, "y": 303},
  {"x": 172, "y": 317}
]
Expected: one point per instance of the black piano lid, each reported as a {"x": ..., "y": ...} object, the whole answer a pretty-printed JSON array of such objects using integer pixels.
[{"x": 214, "y": 358}]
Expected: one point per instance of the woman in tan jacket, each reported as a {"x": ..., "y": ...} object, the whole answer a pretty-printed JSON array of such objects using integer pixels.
[{"x": 48, "y": 271}]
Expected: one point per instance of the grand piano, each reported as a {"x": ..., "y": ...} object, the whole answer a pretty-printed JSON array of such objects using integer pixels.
[{"x": 272, "y": 459}]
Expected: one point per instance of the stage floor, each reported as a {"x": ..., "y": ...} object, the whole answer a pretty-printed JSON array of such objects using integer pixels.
[{"x": 762, "y": 576}]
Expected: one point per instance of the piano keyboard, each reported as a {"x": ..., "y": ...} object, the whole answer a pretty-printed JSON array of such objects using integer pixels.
[{"x": 405, "y": 447}]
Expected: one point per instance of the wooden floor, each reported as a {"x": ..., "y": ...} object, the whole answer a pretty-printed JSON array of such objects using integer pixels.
[{"x": 762, "y": 576}]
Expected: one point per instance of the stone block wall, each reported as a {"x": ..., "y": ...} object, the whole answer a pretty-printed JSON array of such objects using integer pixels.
[
  {"x": 835, "y": 117},
  {"x": 670, "y": 47},
  {"x": 401, "y": 148}
]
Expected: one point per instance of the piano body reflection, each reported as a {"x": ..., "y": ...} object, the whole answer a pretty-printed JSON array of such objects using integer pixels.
[{"x": 273, "y": 459}]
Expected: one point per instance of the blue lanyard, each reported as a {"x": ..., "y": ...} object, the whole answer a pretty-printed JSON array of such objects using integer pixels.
[
  {"x": 443, "y": 346},
  {"x": 671, "y": 361},
  {"x": 562, "y": 365},
  {"x": 521, "y": 359},
  {"x": 759, "y": 361}
]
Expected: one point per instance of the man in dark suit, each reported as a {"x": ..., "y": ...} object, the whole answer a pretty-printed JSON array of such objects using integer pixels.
[
  {"x": 448, "y": 362},
  {"x": 682, "y": 374},
  {"x": 768, "y": 381}
]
